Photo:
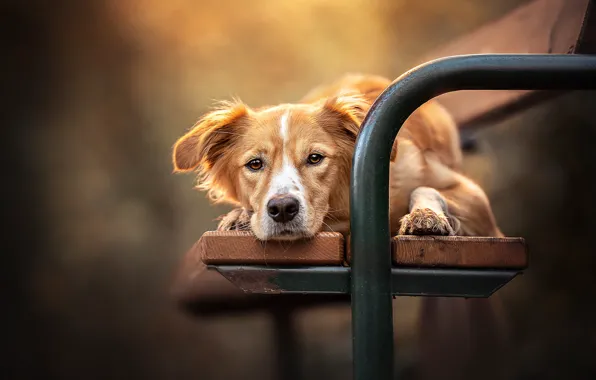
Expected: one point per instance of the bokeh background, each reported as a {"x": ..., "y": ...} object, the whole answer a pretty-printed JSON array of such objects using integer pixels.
[{"x": 94, "y": 94}]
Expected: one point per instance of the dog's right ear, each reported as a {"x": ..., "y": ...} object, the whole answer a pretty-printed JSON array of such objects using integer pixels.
[
  {"x": 343, "y": 114},
  {"x": 205, "y": 142}
]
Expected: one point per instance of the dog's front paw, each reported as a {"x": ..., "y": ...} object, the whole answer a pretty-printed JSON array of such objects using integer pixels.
[
  {"x": 424, "y": 221},
  {"x": 236, "y": 220}
]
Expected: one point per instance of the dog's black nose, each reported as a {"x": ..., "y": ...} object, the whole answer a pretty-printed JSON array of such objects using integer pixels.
[{"x": 283, "y": 209}]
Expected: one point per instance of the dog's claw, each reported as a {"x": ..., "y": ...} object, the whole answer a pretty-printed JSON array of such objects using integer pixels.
[
  {"x": 236, "y": 220},
  {"x": 425, "y": 221}
]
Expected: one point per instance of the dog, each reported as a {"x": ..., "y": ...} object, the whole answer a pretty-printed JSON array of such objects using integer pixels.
[{"x": 287, "y": 167}]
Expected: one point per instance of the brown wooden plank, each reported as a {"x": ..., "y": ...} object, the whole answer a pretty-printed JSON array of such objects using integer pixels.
[
  {"x": 221, "y": 248},
  {"x": 538, "y": 27},
  {"x": 457, "y": 252},
  {"x": 460, "y": 252},
  {"x": 234, "y": 247}
]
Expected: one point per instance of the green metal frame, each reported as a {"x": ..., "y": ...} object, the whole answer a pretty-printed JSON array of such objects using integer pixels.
[
  {"x": 468, "y": 283},
  {"x": 372, "y": 321}
]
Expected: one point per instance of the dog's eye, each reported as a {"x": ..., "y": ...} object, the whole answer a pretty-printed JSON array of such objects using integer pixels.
[
  {"x": 255, "y": 165},
  {"x": 315, "y": 159}
]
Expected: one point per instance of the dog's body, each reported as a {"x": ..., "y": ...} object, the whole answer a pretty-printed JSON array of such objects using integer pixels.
[{"x": 297, "y": 157}]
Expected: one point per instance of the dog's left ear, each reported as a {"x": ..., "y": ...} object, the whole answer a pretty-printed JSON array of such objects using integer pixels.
[
  {"x": 343, "y": 114},
  {"x": 204, "y": 147}
]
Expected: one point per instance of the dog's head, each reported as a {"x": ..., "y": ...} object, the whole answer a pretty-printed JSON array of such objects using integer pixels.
[{"x": 288, "y": 164}]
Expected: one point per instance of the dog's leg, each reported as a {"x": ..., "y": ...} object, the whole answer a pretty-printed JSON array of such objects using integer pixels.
[
  {"x": 236, "y": 220},
  {"x": 428, "y": 215},
  {"x": 469, "y": 205}
]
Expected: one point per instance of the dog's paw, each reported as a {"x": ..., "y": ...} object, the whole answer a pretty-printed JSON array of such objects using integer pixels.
[
  {"x": 424, "y": 221},
  {"x": 236, "y": 220}
]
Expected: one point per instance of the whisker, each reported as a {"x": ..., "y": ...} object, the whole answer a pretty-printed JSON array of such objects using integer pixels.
[
  {"x": 328, "y": 226},
  {"x": 328, "y": 210},
  {"x": 333, "y": 218}
]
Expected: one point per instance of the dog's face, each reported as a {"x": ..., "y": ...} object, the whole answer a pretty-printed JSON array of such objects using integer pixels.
[{"x": 288, "y": 164}]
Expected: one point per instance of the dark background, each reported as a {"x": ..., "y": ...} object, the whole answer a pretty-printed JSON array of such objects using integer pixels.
[{"x": 93, "y": 95}]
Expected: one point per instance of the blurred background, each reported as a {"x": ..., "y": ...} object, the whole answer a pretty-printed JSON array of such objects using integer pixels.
[{"x": 94, "y": 94}]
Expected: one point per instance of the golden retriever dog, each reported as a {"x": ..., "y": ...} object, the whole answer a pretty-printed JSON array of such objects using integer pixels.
[{"x": 287, "y": 167}]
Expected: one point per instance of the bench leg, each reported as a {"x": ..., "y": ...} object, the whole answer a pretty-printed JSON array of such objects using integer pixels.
[{"x": 286, "y": 345}]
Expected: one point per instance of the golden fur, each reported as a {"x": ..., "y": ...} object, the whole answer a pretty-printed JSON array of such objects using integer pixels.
[{"x": 428, "y": 192}]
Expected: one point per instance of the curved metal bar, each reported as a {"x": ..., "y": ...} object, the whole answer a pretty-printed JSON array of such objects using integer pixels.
[{"x": 369, "y": 189}]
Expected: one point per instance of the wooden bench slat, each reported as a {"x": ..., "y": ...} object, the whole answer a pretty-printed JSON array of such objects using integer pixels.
[
  {"x": 234, "y": 247},
  {"x": 460, "y": 252}
]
